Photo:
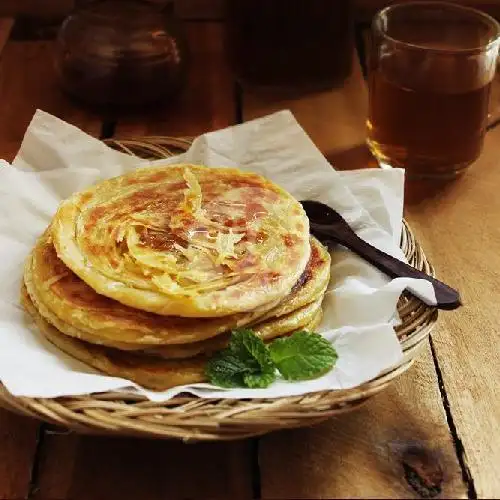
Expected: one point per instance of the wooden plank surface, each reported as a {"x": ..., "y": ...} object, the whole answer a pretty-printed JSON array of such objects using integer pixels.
[
  {"x": 397, "y": 446},
  {"x": 400, "y": 443},
  {"x": 335, "y": 120},
  {"x": 84, "y": 468},
  {"x": 351, "y": 456},
  {"x": 207, "y": 102},
  {"x": 459, "y": 228},
  {"x": 6, "y": 24},
  {"x": 18, "y": 438},
  {"x": 28, "y": 82}
]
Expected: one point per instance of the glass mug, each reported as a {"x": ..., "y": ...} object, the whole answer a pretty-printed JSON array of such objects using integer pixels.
[{"x": 430, "y": 71}]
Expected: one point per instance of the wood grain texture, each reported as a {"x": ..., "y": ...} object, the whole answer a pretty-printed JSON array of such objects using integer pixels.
[
  {"x": 396, "y": 446},
  {"x": 18, "y": 438},
  {"x": 6, "y": 24},
  {"x": 207, "y": 102},
  {"x": 28, "y": 82},
  {"x": 358, "y": 455},
  {"x": 335, "y": 120},
  {"x": 458, "y": 227},
  {"x": 81, "y": 468},
  {"x": 399, "y": 444}
]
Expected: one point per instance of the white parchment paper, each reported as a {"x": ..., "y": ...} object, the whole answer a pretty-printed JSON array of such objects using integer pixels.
[{"x": 57, "y": 159}]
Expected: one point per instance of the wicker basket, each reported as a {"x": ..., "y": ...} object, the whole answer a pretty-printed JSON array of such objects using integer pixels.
[{"x": 190, "y": 418}]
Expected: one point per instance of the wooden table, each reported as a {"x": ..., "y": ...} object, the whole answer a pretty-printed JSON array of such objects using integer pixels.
[{"x": 434, "y": 432}]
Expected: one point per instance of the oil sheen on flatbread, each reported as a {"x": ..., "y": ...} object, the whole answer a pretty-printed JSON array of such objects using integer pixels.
[
  {"x": 77, "y": 310},
  {"x": 185, "y": 240}
]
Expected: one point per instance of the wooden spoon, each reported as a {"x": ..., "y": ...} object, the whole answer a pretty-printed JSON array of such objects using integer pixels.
[{"x": 330, "y": 227}]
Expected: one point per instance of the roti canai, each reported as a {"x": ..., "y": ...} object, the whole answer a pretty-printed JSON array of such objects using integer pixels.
[
  {"x": 185, "y": 240},
  {"x": 148, "y": 371},
  {"x": 61, "y": 295}
]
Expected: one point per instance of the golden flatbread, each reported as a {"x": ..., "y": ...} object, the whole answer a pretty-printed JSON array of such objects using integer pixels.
[
  {"x": 59, "y": 293},
  {"x": 268, "y": 330},
  {"x": 185, "y": 240},
  {"x": 65, "y": 300},
  {"x": 148, "y": 371}
]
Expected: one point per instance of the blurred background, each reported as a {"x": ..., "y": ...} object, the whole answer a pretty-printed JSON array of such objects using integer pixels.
[{"x": 196, "y": 8}]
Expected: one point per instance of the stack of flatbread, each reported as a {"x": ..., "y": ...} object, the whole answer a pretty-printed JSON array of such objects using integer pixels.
[{"x": 144, "y": 276}]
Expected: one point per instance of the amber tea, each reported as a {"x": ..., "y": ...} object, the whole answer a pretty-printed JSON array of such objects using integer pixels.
[
  {"x": 429, "y": 132},
  {"x": 431, "y": 68}
]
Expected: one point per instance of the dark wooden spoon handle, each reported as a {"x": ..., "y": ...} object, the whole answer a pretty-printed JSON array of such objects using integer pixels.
[{"x": 447, "y": 298}]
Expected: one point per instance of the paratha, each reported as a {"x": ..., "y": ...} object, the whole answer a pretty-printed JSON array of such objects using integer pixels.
[
  {"x": 82, "y": 313},
  {"x": 58, "y": 292},
  {"x": 148, "y": 371},
  {"x": 185, "y": 240},
  {"x": 312, "y": 283},
  {"x": 267, "y": 330}
]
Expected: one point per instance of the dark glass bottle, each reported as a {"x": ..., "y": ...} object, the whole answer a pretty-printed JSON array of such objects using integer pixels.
[
  {"x": 301, "y": 44},
  {"x": 121, "y": 53}
]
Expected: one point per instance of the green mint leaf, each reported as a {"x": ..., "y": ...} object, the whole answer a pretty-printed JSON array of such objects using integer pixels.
[
  {"x": 245, "y": 363},
  {"x": 303, "y": 356},
  {"x": 250, "y": 349},
  {"x": 259, "y": 380},
  {"x": 226, "y": 370}
]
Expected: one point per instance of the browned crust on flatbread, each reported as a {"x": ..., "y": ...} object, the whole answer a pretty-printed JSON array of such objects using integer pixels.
[
  {"x": 102, "y": 320},
  {"x": 148, "y": 371}
]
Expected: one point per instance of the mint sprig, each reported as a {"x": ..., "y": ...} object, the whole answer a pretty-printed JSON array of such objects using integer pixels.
[
  {"x": 226, "y": 370},
  {"x": 303, "y": 356},
  {"x": 248, "y": 362},
  {"x": 245, "y": 363}
]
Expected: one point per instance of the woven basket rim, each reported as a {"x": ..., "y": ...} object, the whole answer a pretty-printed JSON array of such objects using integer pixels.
[{"x": 188, "y": 417}]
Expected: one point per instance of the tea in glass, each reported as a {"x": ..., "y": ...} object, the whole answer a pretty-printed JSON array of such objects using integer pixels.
[{"x": 430, "y": 72}]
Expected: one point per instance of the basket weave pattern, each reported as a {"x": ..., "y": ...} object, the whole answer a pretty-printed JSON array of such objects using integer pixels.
[{"x": 192, "y": 418}]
